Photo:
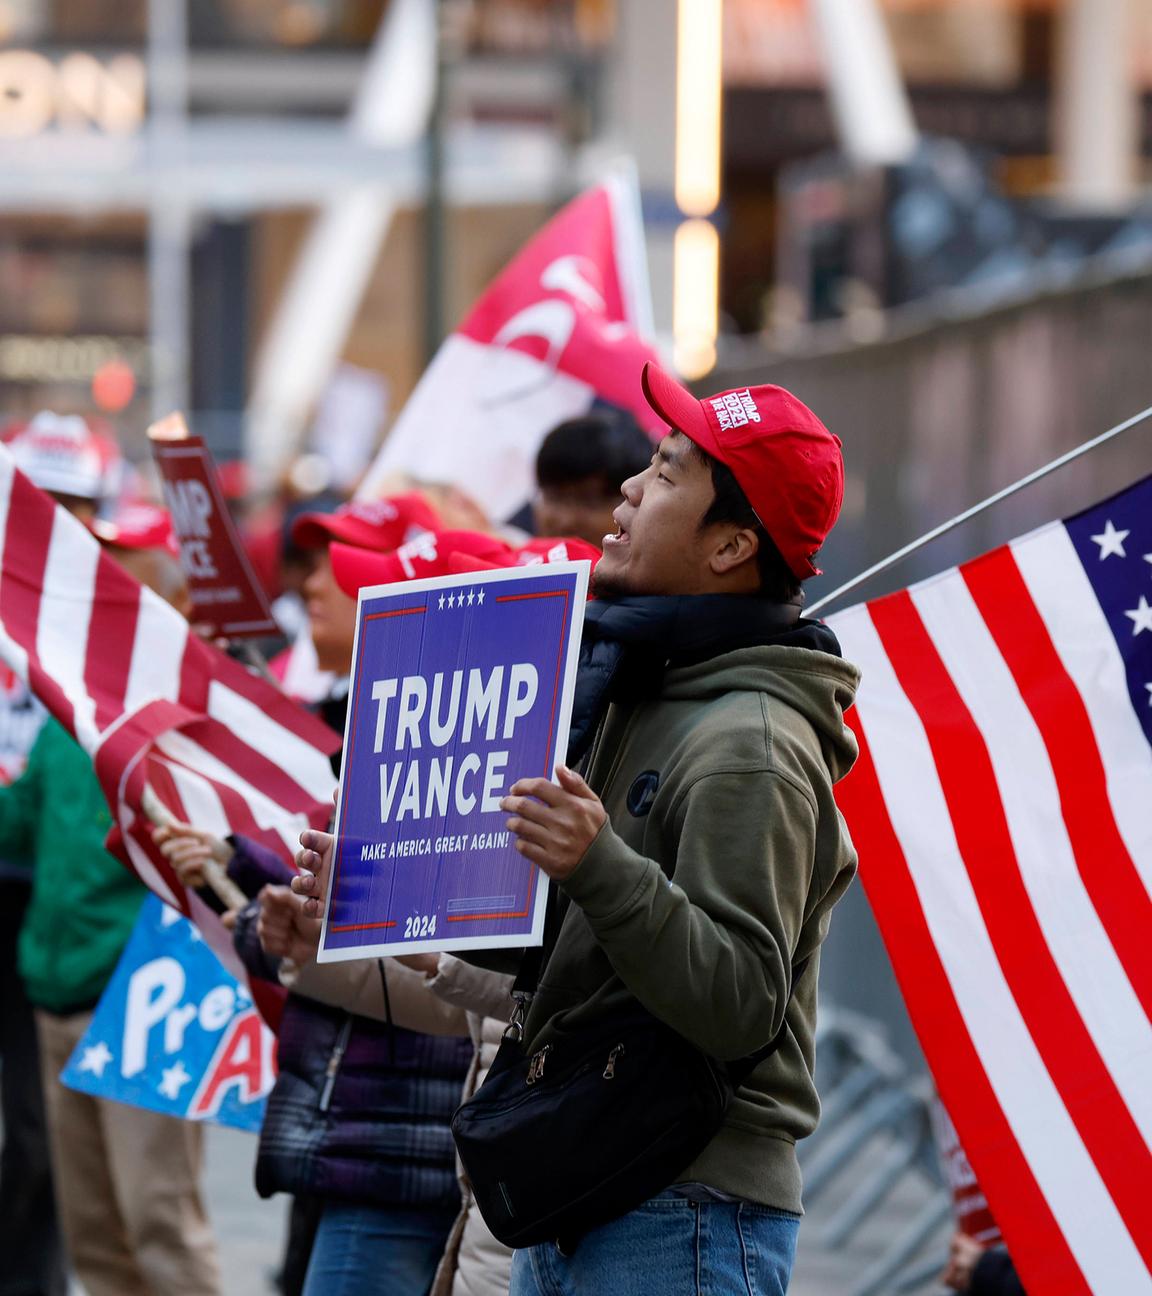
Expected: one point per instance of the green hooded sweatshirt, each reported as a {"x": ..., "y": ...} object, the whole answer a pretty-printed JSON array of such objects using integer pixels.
[
  {"x": 84, "y": 902},
  {"x": 723, "y": 782}
]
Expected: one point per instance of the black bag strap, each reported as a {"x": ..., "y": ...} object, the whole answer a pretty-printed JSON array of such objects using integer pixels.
[{"x": 531, "y": 964}]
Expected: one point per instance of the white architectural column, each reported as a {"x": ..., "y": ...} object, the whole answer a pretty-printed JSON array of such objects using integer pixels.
[
  {"x": 1096, "y": 106},
  {"x": 869, "y": 104},
  {"x": 642, "y": 124},
  {"x": 169, "y": 219}
]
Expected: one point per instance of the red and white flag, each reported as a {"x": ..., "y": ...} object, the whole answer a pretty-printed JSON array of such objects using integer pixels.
[
  {"x": 560, "y": 328},
  {"x": 1001, "y": 810},
  {"x": 150, "y": 702}
]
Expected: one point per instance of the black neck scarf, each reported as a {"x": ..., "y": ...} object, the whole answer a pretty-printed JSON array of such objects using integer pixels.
[{"x": 630, "y": 642}]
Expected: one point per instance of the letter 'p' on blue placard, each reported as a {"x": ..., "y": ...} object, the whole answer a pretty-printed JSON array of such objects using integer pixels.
[{"x": 460, "y": 686}]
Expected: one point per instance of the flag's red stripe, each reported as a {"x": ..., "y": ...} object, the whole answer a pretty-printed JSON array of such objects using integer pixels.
[
  {"x": 253, "y": 765},
  {"x": 26, "y": 542},
  {"x": 1032, "y": 1233},
  {"x": 1086, "y": 1087},
  {"x": 1104, "y": 863},
  {"x": 111, "y": 634}
]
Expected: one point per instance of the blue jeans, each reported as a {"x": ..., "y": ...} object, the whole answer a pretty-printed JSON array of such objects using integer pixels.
[
  {"x": 393, "y": 1250},
  {"x": 671, "y": 1246}
]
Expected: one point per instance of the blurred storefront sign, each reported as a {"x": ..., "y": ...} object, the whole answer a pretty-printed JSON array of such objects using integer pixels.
[
  {"x": 77, "y": 91},
  {"x": 34, "y": 359}
]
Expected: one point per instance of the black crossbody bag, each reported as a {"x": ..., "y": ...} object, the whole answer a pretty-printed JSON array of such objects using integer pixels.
[{"x": 586, "y": 1128}]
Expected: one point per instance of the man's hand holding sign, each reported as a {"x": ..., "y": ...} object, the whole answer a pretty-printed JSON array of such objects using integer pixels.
[{"x": 554, "y": 823}]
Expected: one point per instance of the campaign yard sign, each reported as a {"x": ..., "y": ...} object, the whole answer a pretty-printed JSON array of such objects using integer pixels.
[
  {"x": 226, "y": 596},
  {"x": 175, "y": 1031},
  {"x": 460, "y": 686}
]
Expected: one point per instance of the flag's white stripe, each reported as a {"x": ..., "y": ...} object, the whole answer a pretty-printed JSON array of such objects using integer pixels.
[
  {"x": 12, "y": 653},
  {"x": 65, "y": 613},
  {"x": 302, "y": 762},
  {"x": 1047, "y": 1137},
  {"x": 146, "y": 871},
  {"x": 1080, "y": 945},
  {"x": 157, "y": 653},
  {"x": 1080, "y": 633},
  {"x": 266, "y": 812},
  {"x": 201, "y": 803}
]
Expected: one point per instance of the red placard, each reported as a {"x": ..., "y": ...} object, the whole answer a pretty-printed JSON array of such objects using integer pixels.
[
  {"x": 226, "y": 595},
  {"x": 972, "y": 1214}
]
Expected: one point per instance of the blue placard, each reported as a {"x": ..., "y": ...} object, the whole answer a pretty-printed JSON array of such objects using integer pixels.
[
  {"x": 175, "y": 1031},
  {"x": 460, "y": 686}
]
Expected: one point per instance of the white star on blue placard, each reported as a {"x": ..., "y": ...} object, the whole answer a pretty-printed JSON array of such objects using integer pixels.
[
  {"x": 95, "y": 1059},
  {"x": 1141, "y": 616},
  {"x": 173, "y": 1079},
  {"x": 1111, "y": 541},
  {"x": 480, "y": 597},
  {"x": 471, "y": 598},
  {"x": 451, "y": 600},
  {"x": 441, "y": 602}
]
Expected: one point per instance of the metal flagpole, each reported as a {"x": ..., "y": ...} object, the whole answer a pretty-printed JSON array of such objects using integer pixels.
[{"x": 972, "y": 512}]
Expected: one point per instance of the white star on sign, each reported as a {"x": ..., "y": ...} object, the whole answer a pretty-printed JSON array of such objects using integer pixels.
[
  {"x": 1149, "y": 688},
  {"x": 95, "y": 1059},
  {"x": 173, "y": 1079},
  {"x": 471, "y": 598},
  {"x": 441, "y": 602},
  {"x": 451, "y": 600},
  {"x": 480, "y": 597},
  {"x": 1141, "y": 616},
  {"x": 1111, "y": 541}
]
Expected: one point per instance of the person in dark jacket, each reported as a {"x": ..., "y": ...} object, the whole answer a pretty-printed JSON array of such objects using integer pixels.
[{"x": 358, "y": 1117}]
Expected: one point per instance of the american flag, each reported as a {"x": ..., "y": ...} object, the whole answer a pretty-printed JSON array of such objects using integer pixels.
[
  {"x": 151, "y": 703},
  {"x": 1002, "y": 808}
]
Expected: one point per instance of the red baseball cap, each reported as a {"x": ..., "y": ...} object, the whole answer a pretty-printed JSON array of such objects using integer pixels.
[
  {"x": 447, "y": 553},
  {"x": 432, "y": 553},
  {"x": 369, "y": 524},
  {"x": 786, "y": 461},
  {"x": 137, "y": 526}
]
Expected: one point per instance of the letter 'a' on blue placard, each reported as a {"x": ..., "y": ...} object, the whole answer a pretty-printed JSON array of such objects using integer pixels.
[{"x": 460, "y": 686}]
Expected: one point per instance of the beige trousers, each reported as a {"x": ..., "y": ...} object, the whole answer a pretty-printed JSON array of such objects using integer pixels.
[{"x": 126, "y": 1185}]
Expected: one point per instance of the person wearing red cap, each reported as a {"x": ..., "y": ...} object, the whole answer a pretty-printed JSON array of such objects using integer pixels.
[
  {"x": 379, "y": 526},
  {"x": 356, "y": 1126}
]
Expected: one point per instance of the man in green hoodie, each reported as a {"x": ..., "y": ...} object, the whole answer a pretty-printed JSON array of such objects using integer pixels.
[{"x": 700, "y": 856}]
